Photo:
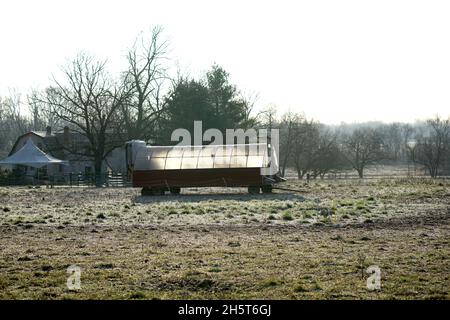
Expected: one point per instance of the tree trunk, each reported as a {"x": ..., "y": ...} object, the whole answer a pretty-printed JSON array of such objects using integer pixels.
[
  {"x": 433, "y": 172},
  {"x": 299, "y": 172},
  {"x": 98, "y": 171},
  {"x": 360, "y": 173}
]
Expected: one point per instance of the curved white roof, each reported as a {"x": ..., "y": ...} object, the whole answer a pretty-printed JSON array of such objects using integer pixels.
[{"x": 202, "y": 157}]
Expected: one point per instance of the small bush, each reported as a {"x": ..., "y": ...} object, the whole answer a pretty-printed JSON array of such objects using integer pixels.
[
  {"x": 289, "y": 205},
  {"x": 199, "y": 211},
  {"x": 300, "y": 288},
  {"x": 25, "y": 258},
  {"x": 137, "y": 295},
  {"x": 46, "y": 268},
  {"x": 317, "y": 287},
  {"x": 234, "y": 244},
  {"x": 270, "y": 283},
  {"x": 287, "y": 216},
  {"x": 104, "y": 266},
  {"x": 307, "y": 215},
  {"x": 101, "y": 216}
]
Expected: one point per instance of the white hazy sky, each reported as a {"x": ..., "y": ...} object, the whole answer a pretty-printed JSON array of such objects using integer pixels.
[{"x": 334, "y": 60}]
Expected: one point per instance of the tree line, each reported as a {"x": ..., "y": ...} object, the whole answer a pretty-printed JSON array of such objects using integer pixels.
[
  {"x": 315, "y": 149},
  {"x": 145, "y": 102}
]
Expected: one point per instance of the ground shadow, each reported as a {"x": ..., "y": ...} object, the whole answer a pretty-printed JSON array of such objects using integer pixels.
[{"x": 201, "y": 197}]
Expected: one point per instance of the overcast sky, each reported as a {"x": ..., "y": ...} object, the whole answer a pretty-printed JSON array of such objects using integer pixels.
[{"x": 333, "y": 60}]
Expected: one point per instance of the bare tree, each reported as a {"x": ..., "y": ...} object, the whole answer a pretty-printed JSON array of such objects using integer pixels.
[
  {"x": 432, "y": 146},
  {"x": 41, "y": 115},
  {"x": 288, "y": 128},
  {"x": 146, "y": 79},
  {"x": 3, "y": 128},
  {"x": 89, "y": 102},
  {"x": 13, "y": 122},
  {"x": 12, "y": 105},
  {"x": 363, "y": 147},
  {"x": 392, "y": 138},
  {"x": 407, "y": 132},
  {"x": 305, "y": 138},
  {"x": 34, "y": 107},
  {"x": 249, "y": 101},
  {"x": 268, "y": 116},
  {"x": 326, "y": 154},
  {"x": 266, "y": 119}
]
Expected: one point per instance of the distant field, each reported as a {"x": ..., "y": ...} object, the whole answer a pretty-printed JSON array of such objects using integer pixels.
[{"x": 224, "y": 243}]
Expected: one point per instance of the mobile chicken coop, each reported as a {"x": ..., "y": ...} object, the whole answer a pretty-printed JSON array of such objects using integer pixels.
[{"x": 158, "y": 169}]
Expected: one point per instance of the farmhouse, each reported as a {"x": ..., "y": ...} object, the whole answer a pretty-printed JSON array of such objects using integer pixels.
[{"x": 70, "y": 146}]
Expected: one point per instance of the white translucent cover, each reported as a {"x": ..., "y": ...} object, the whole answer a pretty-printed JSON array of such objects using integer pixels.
[{"x": 202, "y": 157}]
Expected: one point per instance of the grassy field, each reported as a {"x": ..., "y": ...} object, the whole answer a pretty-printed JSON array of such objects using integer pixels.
[{"x": 224, "y": 243}]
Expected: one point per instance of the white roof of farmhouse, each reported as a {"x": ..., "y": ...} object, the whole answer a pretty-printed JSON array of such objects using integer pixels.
[{"x": 32, "y": 156}]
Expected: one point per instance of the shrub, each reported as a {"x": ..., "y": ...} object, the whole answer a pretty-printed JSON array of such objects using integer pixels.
[
  {"x": 270, "y": 283},
  {"x": 300, "y": 288},
  {"x": 234, "y": 244},
  {"x": 287, "y": 216},
  {"x": 137, "y": 295}
]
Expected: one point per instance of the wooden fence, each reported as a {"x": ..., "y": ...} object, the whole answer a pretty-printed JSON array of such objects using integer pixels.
[{"x": 69, "y": 179}]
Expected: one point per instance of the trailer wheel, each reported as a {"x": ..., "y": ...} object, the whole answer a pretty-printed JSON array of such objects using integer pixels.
[
  {"x": 253, "y": 190},
  {"x": 175, "y": 190},
  {"x": 158, "y": 191},
  {"x": 266, "y": 189}
]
